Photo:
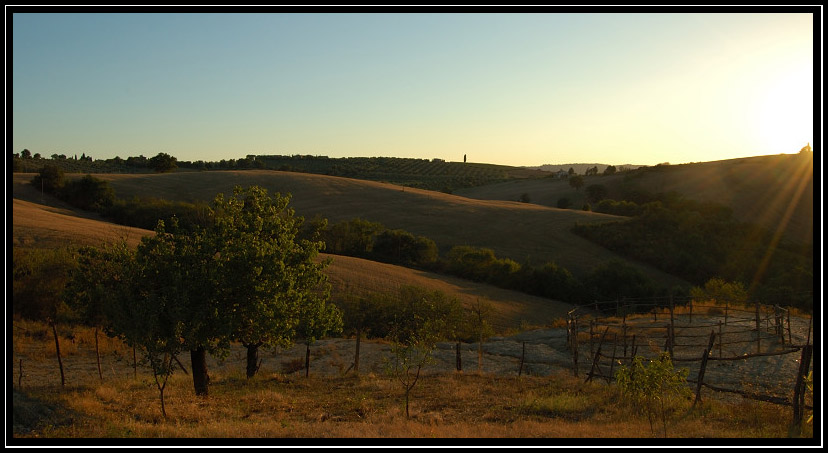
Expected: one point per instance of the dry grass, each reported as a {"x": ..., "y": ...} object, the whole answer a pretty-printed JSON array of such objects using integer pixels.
[{"x": 272, "y": 404}]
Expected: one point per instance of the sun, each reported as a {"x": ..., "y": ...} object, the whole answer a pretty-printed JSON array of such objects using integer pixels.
[{"x": 785, "y": 111}]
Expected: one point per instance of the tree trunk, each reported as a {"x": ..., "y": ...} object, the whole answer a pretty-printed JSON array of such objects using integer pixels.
[
  {"x": 198, "y": 358},
  {"x": 252, "y": 359},
  {"x": 57, "y": 349}
]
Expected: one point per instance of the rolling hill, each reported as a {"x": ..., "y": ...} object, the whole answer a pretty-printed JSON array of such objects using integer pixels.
[
  {"x": 774, "y": 191},
  {"x": 520, "y": 231},
  {"x": 52, "y": 225}
]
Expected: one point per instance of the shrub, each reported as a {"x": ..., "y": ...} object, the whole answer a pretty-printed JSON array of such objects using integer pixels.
[{"x": 653, "y": 389}]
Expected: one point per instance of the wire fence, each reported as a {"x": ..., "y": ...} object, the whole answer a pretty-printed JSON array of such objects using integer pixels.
[{"x": 694, "y": 335}]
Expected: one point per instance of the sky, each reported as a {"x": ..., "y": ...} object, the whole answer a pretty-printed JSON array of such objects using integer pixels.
[{"x": 501, "y": 88}]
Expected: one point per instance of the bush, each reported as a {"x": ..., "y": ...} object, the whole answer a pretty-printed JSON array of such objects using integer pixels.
[
  {"x": 402, "y": 247},
  {"x": 653, "y": 389},
  {"x": 89, "y": 193},
  {"x": 623, "y": 207},
  {"x": 564, "y": 203}
]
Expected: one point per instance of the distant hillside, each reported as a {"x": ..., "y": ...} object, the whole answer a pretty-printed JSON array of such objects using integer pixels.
[
  {"x": 526, "y": 233},
  {"x": 434, "y": 174},
  {"x": 580, "y": 169},
  {"x": 775, "y": 192}
]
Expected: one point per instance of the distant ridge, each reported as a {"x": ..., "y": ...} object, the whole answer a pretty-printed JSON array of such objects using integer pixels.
[{"x": 580, "y": 168}]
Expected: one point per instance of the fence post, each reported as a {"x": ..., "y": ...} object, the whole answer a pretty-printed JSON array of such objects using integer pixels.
[
  {"x": 810, "y": 321},
  {"x": 612, "y": 363},
  {"x": 720, "y": 339},
  {"x": 624, "y": 333},
  {"x": 671, "y": 310},
  {"x": 690, "y": 320},
  {"x": 633, "y": 350},
  {"x": 458, "y": 355},
  {"x": 702, "y": 368},
  {"x": 727, "y": 307},
  {"x": 575, "y": 349},
  {"x": 591, "y": 324},
  {"x": 597, "y": 354},
  {"x": 758, "y": 330},
  {"x": 789, "y": 327},
  {"x": 522, "y": 356},
  {"x": 668, "y": 345},
  {"x": 799, "y": 393}
]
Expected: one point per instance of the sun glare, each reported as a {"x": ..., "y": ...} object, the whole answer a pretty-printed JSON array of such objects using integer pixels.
[{"x": 784, "y": 113}]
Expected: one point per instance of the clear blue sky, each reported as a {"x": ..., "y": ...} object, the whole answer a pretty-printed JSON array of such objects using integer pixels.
[{"x": 505, "y": 88}]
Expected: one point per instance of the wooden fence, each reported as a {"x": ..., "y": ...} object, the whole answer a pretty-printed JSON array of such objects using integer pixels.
[{"x": 615, "y": 332}]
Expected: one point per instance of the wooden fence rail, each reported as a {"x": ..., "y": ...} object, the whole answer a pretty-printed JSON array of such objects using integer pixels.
[{"x": 766, "y": 323}]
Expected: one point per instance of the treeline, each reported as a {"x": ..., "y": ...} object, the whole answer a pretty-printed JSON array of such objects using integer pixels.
[
  {"x": 373, "y": 241},
  {"x": 700, "y": 241},
  {"x": 94, "y": 194},
  {"x": 434, "y": 174}
]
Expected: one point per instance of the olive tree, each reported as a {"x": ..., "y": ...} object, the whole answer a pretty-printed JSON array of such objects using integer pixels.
[{"x": 271, "y": 279}]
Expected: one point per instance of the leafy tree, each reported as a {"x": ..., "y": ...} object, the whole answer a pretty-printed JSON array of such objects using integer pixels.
[
  {"x": 616, "y": 279},
  {"x": 591, "y": 171},
  {"x": 422, "y": 319},
  {"x": 271, "y": 280},
  {"x": 653, "y": 388},
  {"x": 25, "y": 154},
  {"x": 316, "y": 320},
  {"x": 50, "y": 178},
  {"x": 163, "y": 163},
  {"x": 596, "y": 192},
  {"x": 576, "y": 181},
  {"x": 477, "y": 327},
  {"x": 720, "y": 291},
  {"x": 364, "y": 315},
  {"x": 571, "y": 171},
  {"x": 610, "y": 170},
  {"x": 88, "y": 193},
  {"x": 141, "y": 304},
  {"x": 92, "y": 285},
  {"x": 179, "y": 286},
  {"x": 402, "y": 247},
  {"x": 353, "y": 238}
]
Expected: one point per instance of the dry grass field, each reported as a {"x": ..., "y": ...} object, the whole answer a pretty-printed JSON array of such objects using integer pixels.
[
  {"x": 520, "y": 231},
  {"x": 277, "y": 403}
]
